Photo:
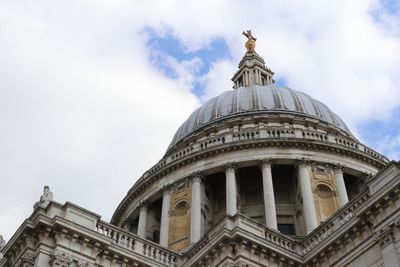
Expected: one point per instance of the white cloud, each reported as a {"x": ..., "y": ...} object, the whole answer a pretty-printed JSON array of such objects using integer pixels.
[
  {"x": 389, "y": 146},
  {"x": 81, "y": 108},
  {"x": 217, "y": 80}
]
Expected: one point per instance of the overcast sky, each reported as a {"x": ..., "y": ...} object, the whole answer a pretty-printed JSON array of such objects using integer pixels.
[{"x": 91, "y": 92}]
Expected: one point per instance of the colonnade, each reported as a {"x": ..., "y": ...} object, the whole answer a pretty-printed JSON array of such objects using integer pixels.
[{"x": 304, "y": 180}]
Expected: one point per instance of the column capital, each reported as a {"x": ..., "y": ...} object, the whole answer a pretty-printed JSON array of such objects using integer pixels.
[
  {"x": 265, "y": 162},
  {"x": 196, "y": 176},
  {"x": 337, "y": 168},
  {"x": 143, "y": 205},
  {"x": 230, "y": 166},
  {"x": 385, "y": 236},
  {"x": 166, "y": 189},
  {"x": 303, "y": 162}
]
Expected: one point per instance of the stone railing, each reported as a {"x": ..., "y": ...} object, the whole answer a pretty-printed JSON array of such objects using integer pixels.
[
  {"x": 257, "y": 133},
  {"x": 240, "y": 223},
  {"x": 329, "y": 227},
  {"x": 281, "y": 240},
  {"x": 137, "y": 244}
]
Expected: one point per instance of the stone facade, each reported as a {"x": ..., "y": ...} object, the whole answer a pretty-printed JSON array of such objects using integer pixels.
[{"x": 253, "y": 186}]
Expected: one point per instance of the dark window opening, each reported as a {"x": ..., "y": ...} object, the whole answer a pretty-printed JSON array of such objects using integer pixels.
[{"x": 286, "y": 229}]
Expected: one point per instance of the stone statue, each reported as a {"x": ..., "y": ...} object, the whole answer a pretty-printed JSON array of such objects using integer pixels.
[
  {"x": 45, "y": 198},
  {"x": 251, "y": 41},
  {"x": 2, "y": 244}
]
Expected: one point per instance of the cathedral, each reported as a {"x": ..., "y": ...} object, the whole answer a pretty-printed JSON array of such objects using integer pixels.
[{"x": 261, "y": 175}]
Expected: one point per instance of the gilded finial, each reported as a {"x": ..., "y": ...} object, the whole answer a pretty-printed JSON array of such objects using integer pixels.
[{"x": 251, "y": 41}]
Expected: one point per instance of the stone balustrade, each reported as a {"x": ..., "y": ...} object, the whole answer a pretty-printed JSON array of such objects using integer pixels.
[
  {"x": 256, "y": 133},
  {"x": 280, "y": 240},
  {"x": 334, "y": 223},
  {"x": 137, "y": 245}
]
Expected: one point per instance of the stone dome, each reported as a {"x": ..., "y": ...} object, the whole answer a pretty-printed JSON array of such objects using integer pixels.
[
  {"x": 259, "y": 154},
  {"x": 267, "y": 99}
]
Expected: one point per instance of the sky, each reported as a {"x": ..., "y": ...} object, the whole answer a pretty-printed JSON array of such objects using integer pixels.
[{"x": 91, "y": 92}]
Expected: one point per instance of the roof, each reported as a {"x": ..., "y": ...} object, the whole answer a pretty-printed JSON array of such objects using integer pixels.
[{"x": 265, "y": 99}]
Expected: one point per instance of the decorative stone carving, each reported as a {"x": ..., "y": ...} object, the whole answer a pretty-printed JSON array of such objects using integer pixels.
[
  {"x": 181, "y": 185},
  {"x": 59, "y": 258},
  {"x": 197, "y": 176},
  {"x": 143, "y": 204},
  {"x": 303, "y": 162},
  {"x": 396, "y": 222},
  {"x": 27, "y": 260},
  {"x": 338, "y": 168},
  {"x": 180, "y": 208},
  {"x": 82, "y": 263},
  {"x": 166, "y": 189},
  {"x": 324, "y": 191},
  {"x": 265, "y": 162},
  {"x": 45, "y": 198},
  {"x": 347, "y": 215},
  {"x": 385, "y": 236},
  {"x": 230, "y": 166},
  {"x": 319, "y": 168}
]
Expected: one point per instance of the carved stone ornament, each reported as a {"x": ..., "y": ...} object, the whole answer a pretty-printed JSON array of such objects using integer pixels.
[
  {"x": 385, "y": 236},
  {"x": 27, "y": 261},
  {"x": 143, "y": 204},
  {"x": 324, "y": 191},
  {"x": 181, "y": 185},
  {"x": 180, "y": 208},
  {"x": 338, "y": 168},
  {"x": 59, "y": 258},
  {"x": 230, "y": 166},
  {"x": 303, "y": 162},
  {"x": 197, "y": 176},
  {"x": 321, "y": 168},
  {"x": 264, "y": 162},
  {"x": 167, "y": 188},
  {"x": 396, "y": 222},
  {"x": 82, "y": 263}
]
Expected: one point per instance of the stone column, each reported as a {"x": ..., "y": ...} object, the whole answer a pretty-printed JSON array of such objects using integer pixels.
[
  {"x": 142, "y": 225},
  {"x": 269, "y": 197},
  {"x": 340, "y": 185},
  {"x": 309, "y": 214},
  {"x": 195, "y": 209},
  {"x": 231, "y": 189},
  {"x": 164, "y": 227}
]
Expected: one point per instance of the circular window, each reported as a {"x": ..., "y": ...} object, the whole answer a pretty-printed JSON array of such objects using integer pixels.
[
  {"x": 324, "y": 191},
  {"x": 182, "y": 205}
]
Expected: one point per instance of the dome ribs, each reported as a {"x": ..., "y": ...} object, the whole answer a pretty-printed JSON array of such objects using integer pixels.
[
  {"x": 276, "y": 96},
  {"x": 297, "y": 102},
  {"x": 259, "y": 101},
  {"x": 257, "y": 98}
]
